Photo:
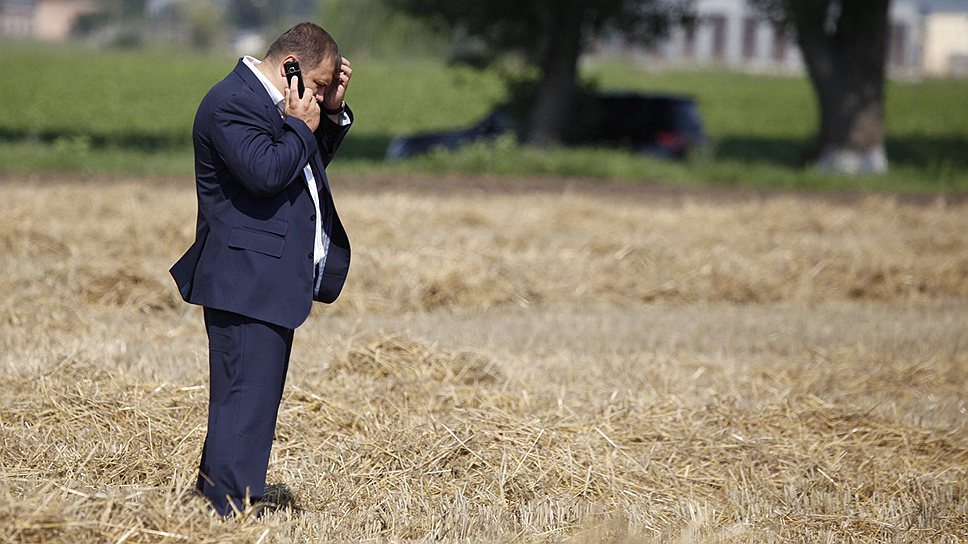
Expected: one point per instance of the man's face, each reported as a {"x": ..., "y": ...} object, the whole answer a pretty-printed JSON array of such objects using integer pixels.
[{"x": 318, "y": 79}]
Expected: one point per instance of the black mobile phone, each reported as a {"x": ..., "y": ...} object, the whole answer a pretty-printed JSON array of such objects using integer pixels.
[{"x": 292, "y": 69}]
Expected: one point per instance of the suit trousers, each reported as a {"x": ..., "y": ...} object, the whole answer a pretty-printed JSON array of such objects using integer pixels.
[{"x": 248, "y": 361}]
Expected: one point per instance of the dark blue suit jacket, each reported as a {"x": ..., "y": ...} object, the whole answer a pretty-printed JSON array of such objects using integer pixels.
[{"x": 253, "y": 250}]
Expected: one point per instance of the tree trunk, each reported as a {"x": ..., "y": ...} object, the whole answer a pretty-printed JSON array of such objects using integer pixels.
[
  {"x": 557, "y": 86},
  {"x": 844, "y": 46}
]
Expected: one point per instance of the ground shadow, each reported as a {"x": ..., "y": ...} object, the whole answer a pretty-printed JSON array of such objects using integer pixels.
[
  {"x": 914, "y": 151},
  {"x": 129, "y": 139},
  {"x": 369, "y": 147},
  {"x": 930, "y": 153}
]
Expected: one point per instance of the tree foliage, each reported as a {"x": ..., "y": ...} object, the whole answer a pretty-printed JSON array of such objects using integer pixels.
[
  {"x": 373, "y": 28},
  {"x": 531, "y": 27},
  {"x": 548, "y": 35}
]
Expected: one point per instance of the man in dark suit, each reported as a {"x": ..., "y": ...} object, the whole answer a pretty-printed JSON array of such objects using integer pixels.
[{"x": 268, "y": 242}]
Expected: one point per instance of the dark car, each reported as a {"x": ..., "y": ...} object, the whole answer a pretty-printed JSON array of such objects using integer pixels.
[{"x": 662, "y": 125}]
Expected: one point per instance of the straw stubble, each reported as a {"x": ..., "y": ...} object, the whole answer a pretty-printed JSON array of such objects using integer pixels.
[{"x": 486, "y": 376}]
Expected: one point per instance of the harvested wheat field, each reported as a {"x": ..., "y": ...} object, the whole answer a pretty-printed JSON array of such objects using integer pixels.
[{"x": 547, "y": 361}]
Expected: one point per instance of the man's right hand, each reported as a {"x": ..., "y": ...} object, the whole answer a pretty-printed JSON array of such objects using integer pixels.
[{"x": 304, "y": 108}]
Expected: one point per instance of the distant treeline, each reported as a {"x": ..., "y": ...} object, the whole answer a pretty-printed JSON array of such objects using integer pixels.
[
  {"x": 362, "y": 27},
  {"x": 371, "y": 28}
]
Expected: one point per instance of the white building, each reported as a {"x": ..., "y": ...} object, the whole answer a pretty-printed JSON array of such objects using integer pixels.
[
  {"x": 47, "y": 20},
  {"x": 944, "y": 46},
  {"x": 924, "y": 37}
]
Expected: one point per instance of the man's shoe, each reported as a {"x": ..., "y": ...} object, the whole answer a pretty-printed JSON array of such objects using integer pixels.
[{"x": 275, "y": 497}]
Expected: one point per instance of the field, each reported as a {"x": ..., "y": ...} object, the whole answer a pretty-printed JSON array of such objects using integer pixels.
[
  {"x": 514, "y": 359},
  {"x": 533, "y": 345},
  {"x": 128, "y": 112}
]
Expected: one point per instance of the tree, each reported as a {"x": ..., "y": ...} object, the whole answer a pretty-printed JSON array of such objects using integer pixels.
[
  {"x": 371, "y": 27},
  {"x": 205, "y": 22},
  {"x": 549, "y": 35},
  {"x": 844, "y": 47},
  {"x": 122, "y": 22}
]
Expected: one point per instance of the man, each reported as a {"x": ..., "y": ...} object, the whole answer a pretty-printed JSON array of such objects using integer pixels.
[{"x": 268, "y": 242}]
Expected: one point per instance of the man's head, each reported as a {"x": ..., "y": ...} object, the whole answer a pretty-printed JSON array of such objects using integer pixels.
[{"x": 314, "y": 49}]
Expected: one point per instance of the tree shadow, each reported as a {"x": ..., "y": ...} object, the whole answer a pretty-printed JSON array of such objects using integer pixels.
[
  {"x": 129, "y": 139},
  {"x": 913, "y": 151},
  {"x": 784, "y": 152},
  {"x": 929, "y": 153},
  {"x": 371, "y": 147},
  {"x": 368, "y": 147}
]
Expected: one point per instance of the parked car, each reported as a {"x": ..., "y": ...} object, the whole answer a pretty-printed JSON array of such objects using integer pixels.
[{"x": 660, "y": 125}]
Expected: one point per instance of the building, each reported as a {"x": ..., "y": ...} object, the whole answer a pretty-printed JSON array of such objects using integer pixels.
[
  {"x": 924, "y": 37},
  {"x": 46, "y": 20},
  {"x": 945, "y": 43}
]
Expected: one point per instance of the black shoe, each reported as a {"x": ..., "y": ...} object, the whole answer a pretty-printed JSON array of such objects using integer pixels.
[{"x": 275, "y": 497}]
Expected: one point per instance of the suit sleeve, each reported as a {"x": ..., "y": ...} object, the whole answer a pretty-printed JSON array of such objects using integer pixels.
[
  {"x": 263, "y": 164},
  {"x": 330, "y": 135}
]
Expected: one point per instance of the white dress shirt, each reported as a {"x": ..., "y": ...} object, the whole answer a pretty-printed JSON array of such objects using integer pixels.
[{"x": 321, "y": 242}]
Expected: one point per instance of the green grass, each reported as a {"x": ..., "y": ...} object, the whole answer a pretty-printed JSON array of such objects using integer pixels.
[
  {"x": 766, "y": 123},
  {"x": 131, "y": 112}
]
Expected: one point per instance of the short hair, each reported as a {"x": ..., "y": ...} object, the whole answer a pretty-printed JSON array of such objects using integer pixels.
[{"x": 306, "y": 41}]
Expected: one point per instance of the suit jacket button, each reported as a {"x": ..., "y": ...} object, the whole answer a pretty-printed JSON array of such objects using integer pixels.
[
  {"x": 312, "y": 217},
  {"x": 310, "y": 256}
]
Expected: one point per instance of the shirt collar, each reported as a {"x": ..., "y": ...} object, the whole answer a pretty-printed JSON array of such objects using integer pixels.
[{"x": 274, "y": 94}]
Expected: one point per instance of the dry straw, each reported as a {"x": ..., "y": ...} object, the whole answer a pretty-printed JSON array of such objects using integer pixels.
[{"x": 385, "y": 436}]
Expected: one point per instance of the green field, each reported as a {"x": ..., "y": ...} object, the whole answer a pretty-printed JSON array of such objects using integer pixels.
[{"x": 130, "y": 112}]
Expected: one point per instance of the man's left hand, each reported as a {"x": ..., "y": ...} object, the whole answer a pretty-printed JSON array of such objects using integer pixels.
[{"x": 336, "y": 92}]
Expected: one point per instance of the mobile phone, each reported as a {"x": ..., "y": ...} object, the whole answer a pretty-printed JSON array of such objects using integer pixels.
[{"x": 292, "y": 69}]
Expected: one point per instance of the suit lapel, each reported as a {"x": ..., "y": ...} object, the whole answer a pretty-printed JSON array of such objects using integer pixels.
[{"x": 246, "y": 75}]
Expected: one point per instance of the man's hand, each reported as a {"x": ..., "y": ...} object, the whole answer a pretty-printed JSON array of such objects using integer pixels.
[
  {"x": 305, "y": 108},
  {"x": 336, "y": 92}
]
